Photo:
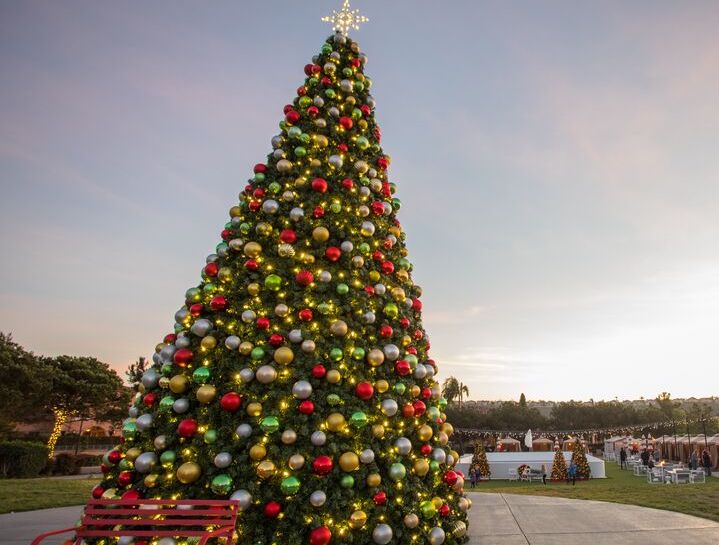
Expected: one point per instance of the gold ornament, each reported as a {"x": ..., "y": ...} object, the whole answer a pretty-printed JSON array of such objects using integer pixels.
[
  {"x": 246, "y": 347},
  {"x": 265, "y": 469},
  {"x": 164, "y": 382},
  {"x": 253, "y": 289},
  {"x": 150, "y": 481},
  {"x": 349, "y": 461},
  {"x": 284, "y": 355},
  {"x": 208, "y": 343},
  {"x": 447, "y": 428},
  {"x": 437, "y": 501},
  {"x": 421, "y": 467},
  {"x": 264, "y": 228},
  {"x": 252, "y": 249},
  {"x": 375, "y": 357},
  {"x": 336, "y": 422},
  {"x": 333, "y": 376},
  {"x": 178, "y": 384},
  {"x": 296, "y": 461},
  {"x": 258, "y": 452},
  {"x": 402, "y": 275},
  {"x": 254, "y": 409},
  {"x": 308, "y": 259},
  {"x": 406, "y": 340},
  {"x": 224, "y": 274},
  {"x": 235, "y": 212},
  {"x": 454, "y": 455},
  {"x": 424, "y": 433},
  {"x": 159, "y": 347},
  {"x": 133, "y": 453},
  {"x": 381, "y": 386},
  {"x": 415, "y": 391},
  {"x": 358, "y": 519},
  {"x": 374, "y": 480},
  {"x": 188, "y": 472},
  {"x": 289, "y": 437},
  {"x": 398, "y": 294},
  {"x": 206, "y": 393},
  {"x": 374, "y": 276},
  {"x": 443, "y": 438},
  {"x": 285, "y": 250},
  {"x": 320, "y": 234},
  {"x": 378, "y": 431},
  {"x": 339, "y": 328}
]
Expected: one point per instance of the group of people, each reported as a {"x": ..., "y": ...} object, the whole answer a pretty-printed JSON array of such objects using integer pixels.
[{"x": 649, "y": 459}]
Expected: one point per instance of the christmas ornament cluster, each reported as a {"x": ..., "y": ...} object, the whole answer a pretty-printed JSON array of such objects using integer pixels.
[{"x": 297, "y": 379}]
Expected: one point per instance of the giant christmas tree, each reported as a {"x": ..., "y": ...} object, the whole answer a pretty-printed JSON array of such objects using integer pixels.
[{"x": 297, "y": 379}]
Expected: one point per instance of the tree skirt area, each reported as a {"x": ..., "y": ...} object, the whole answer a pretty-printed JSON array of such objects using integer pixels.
[{"x": 501, "y": 462}]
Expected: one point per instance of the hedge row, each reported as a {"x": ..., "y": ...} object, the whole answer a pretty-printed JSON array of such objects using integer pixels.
[{"x": 23, "y": 459}]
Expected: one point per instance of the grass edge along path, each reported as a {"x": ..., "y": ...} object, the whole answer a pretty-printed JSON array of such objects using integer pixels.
[
  {"x": 621, "y": 486},
  {"x": 43, "y": 493}
]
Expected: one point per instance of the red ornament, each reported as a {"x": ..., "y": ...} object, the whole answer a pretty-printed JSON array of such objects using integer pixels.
[
  {"x": 386, "y": 189},
  {"x": 407, "y": 410},
  {"x": 260, "y": 168},
  {"x": 292, "y": 117},
  {"x": 383, "y": 163},
  {"x": 426, "y": 392},
  {"x": 225, "y": 234},
  {"x": 319, "y": 185},
  {"x": 248, "y": 189},
  {"x": 411, "y": 350},
  {"x": 263, "y": 322},
  {"x": 183, "y": 356},
  {"x": 125, "y": 478},
  {"x": 149, "y": 399},
  {"x": 380, "y": 498},
  {"x": 305, "y": 314},
  {"x": 313, "y": 111},
  {"x": 287, "y": 109},
  {"x": 450, "y": 477},
  {"x": 378, "y": 208},
  {"x": 308, "y": 69},
  {"x": 369, "y": 290},
  {"x": 318, "y": 212},
  {"x": 288, "y": 236},
  {"x": 276, "y": 339},
  {"x": 187, "y": 428},
  {"x": 320, "y": 536},
  {"x": 196, "y": 310},
  {"x": 132, "y": 494},
  {"x": 355, "y": 62},
  {"x": 258, "y": 193},
  {"x": 387, "y": 267},
  {"x": 231, "y": 402},
  {"x": 319, "y": 371},
  {"x": 211, "y": 269},
  {"x": 218, "y": 303},
  {"x": 419, "y": 407},
  {"x": 322, "y": 465},
  {"x": 364, "y": 390},
  {"x": 385, "y": 330},
  {"x": 333, "y": 253},
  {"x": 347, "y": 183},
  {"x": 402, "y": 368},
  {"x": 252, "y": 265},
  {"x": 416, "y": 305},
  {"x": 326, "y": 81},
  {"x": 343, "y": 148},
  {"x": 97, "y": 492},
  {"x": 365, "y": 109},
  {"x": 444, "y": 510},
  {"x": 418, "y": 334},
  {"x": 387, "y": 243},
  {"x": 254, "y": 206},
  {"x": 302, "y": 91},
  {"x": 425, "y": 449},
  {"x": 377, "y": 255},
  {"x": 306, "y": 407},
  {"x": 404, "y": 322},
  {"x": 346, "y": 122},
  {"x": 304, "y": 278},
  {"x": 272, "y": 509},
  {"x": 169, "y": 338}
]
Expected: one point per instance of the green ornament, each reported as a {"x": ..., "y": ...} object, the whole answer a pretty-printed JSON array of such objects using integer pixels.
[
  {"x": 313, "y": 81},
  {"x": 364, "y": 248},
  {"x": 404, "y": 263},
  {"x": 305, "y": 101},
  {"x": 259, "y": 176},
  {"x": 347, "y": 481},
  {"x": 342, "y": 289},
  {"x": 358, "y": 420},
  {"x": 324, "y": 308},
  {"x": 282, "y": 125},
  {"x": 221, "y": 247},
  {"x": 274, "y": 187},
  {"x": 396, "y": 203},
  {"x": 245, "y": 228},
  {"x": 290, "y": 486},
  {"x": 270, "y": 424},
  {"x": 347, "y": 72},
  {"x": 221, "y": 484},
  {"x": 294, "y": 132},
  {"x": 178, "y": 328},
  {"x": 209, "y": 288},
  {"x": 326, "y": 49},
  {"x": 359, "y": 86},
  {"x": 257, "y": 353},
  {"x": 210, "y": 436},
  {"x": 194, "y": 295},
  {"x": 390, "y": 310},
  {"x": 397, "y": 472},
  {"x": 201, "y": 375},
  {"x": 167, "y": 369},
  {"x": 392, "y": 187},
  {"x": 356, "y": 114},
  {"x": 330, "y": 93},
  {"x": 273, "y": 282},
  {"x": 412, "y": 359},
  {"x": 400, "y": 388},
  {"x": 125, "y": 465},
  {"x": 362, "y": 142},
  {"x": 358, "y": 353},
  {"x": 305, "y": 138},
  {"x": 427, "y": 508},
  {"x": 433, "y": 413},
  {"x": 434, "y": 466},
  {"x": 336, "y": 354},
  {"x": 335, "y": 208},
  {"x": 129, "y": 429},
  {"x": 442, "y": 402},
  {"x": 167, "y": 402},
  {"x": 168, "y": 458},
  {"x": 300, "y": 151},
  {"x": 333, "y": 399}
]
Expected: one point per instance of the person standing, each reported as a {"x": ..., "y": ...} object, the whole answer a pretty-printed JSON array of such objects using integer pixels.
[
  {"x": 544, "y": 474},
  {"x": 622, "y": 458},
  {"x": 472, "y": 476},
  {"x": 693, "y": 460},
  {"x": 572, "y": 473},
  {"x": 707, "y": 462}
]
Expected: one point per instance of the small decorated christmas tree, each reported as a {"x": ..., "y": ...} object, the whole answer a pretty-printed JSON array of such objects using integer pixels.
[
  {"x": 297, "y": 379},
  {"x": 479, "y": 461},
  {"x": 559, "y": 466},
  {"x": 580, "y": 460}
]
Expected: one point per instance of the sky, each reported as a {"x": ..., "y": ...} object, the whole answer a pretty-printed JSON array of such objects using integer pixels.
[{"x": 558, "y": 164}]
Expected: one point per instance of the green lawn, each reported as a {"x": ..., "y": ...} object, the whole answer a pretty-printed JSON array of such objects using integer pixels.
[
  {"x": 701, "y": 500},
  {"x": 29, "y": 494}
]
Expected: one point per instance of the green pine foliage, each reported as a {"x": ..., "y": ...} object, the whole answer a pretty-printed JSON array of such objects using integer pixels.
[
  {"x": 579, "y": 458},
  {"x": 479, "y": 461},
  {"x": 297, "y": 378},
  {"x": 559, "y": 466}
]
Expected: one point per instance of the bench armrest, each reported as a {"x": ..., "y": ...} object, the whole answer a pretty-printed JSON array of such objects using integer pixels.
[{"x": 41, "y": 537}]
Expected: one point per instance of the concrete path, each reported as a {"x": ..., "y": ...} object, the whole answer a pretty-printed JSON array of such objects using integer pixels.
[
  {"x": 495, "y": 519},
  {"x": 509, "y": 519}
]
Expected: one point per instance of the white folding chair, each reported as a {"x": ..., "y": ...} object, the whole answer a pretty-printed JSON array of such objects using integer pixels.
[
  {"x": 697, "y": 476},
  {"x": 513, "y": 475}
]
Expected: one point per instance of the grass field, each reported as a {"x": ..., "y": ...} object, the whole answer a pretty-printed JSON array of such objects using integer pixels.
[
  {"x": 701, "y": 500},
  {"x": 29, "y": 494}
]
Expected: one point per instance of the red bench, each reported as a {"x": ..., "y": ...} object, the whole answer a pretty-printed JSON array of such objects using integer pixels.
[{"x": 155, "y": 518}]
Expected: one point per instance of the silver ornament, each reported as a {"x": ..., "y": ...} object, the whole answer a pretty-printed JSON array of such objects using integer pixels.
[
  {"x": 369, "y": 317},
  {"x": 370, "y": 101},
  {"x": 329, "y": 68},
  {"x": 150, "y": 379},
  {"x": 346, "y": 86},
  {"x": 382, "y": 534},
  {"x": 288, "y": 196},
  {"x": 367, "y": 456},
  {"x": 420, "y": 372},
  {"x": 243, "y": 498},
  {"x": 436, "y": 536},
  {"x": 318, "y": 101},
  {"x": 244, "y": 431},
  {"x": 282, "y": 310},
  {"x": 308, "y": 346},
  {"x": 301, "y": 389},
  {"x": 391, "y": 352},
  {"x": 297, "y": 213},
  {"x": 372, "y": 173},
  {"x": 277, "y": 141},
  {"x": 237, "y": 244},
  {"x": 160, "y": 442},
  {"x": 335, "y": 161},
  {"x": 246, "y": 375},
  {"x": 270, "y": 206},
  {"x": 279, "y": 154},
  {"x": 156, "y": 359},
  {"x": 318, "y": 498},
  {"x": 335, "y": 55},
  {"x": 347, "y": 246},
  {"x": 144, "y": 422},
  {"x": 145, "y": 462},
  {"x": 334, "y": 112},
  {"x": 363, "y": 210},
  {"x": 318, "y": 438},
  {"x": 182, "y": 341},
  {"x": 439, "y": 455},
  {"x": 357, "y": 261},
  {"x": 324, "y": 276},
  {"x": 375, "y": 185},
  {"x": 450, "y": 460},
  {"x": 181, "y": 315},
  {"x": 289, "y": 437},
  {"x": 389, "y": 407},
  {"x": 133, "y": 412},
  {"x": 361, "y": 166},
  {"x": 248, "y": 316},
  {"x": 201, "y": 327},
  {"x": 223, "y": 460},
  {"x": 125, "y": 540},
  {"x": 460, "y": 529},
  {"x": 320, "y": 123},
  {"x": 367, "y": 228},
  {"x": 404, "y": 445},
  {"x": 167, "y": 353},
  {"x": 283, "y": 166},
  {"x": 364, "y": 191},
  {"x": 387, "y": 208},
  {"x": 411, "y": 520},
  {"x": 181, "y": 405},
  {"x": 266, "y": 374},
  {"x": 380, "y": 289},
  {"x": 295, "y": 336},
  {"x": 430, "y": 372},
  {"x": 339, "y": 38},
  {"x": 232, "y": 342},
  {"x": 166, "y": 541}
]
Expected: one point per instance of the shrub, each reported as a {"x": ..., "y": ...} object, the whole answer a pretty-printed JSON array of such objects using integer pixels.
[
  {"x": 66, "y": 464},
  {"x": 19, "y": 459}
]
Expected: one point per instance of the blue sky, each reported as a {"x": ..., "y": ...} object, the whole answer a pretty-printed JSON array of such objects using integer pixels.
[{"x": 557, "y": 161}]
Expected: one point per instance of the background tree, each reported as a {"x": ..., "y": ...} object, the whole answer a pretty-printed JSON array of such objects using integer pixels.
[
  {"x": 522, "y": 401},
  {"x": 479, "y": 461},
  {"x": 579, "y": 457},
  {"x": 559, "y": 466},
  {"x": 454, "y": 389},
  {"x": 135, "y": 371}
]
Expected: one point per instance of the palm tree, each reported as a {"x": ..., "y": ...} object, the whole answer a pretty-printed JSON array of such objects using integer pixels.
[{"x": 454, "y": 389}]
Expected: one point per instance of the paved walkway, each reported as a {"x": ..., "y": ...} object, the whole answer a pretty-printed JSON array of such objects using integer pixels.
[
  {"x": 495, "y": 519},
  {"x": 510, "y": 519}
]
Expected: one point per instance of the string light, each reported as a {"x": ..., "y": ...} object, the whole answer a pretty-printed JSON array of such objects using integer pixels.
[{"x": 344, "y": 20}]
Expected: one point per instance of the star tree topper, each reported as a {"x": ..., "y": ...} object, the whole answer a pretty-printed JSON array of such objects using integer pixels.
[{"x": 345, "y": 19}]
